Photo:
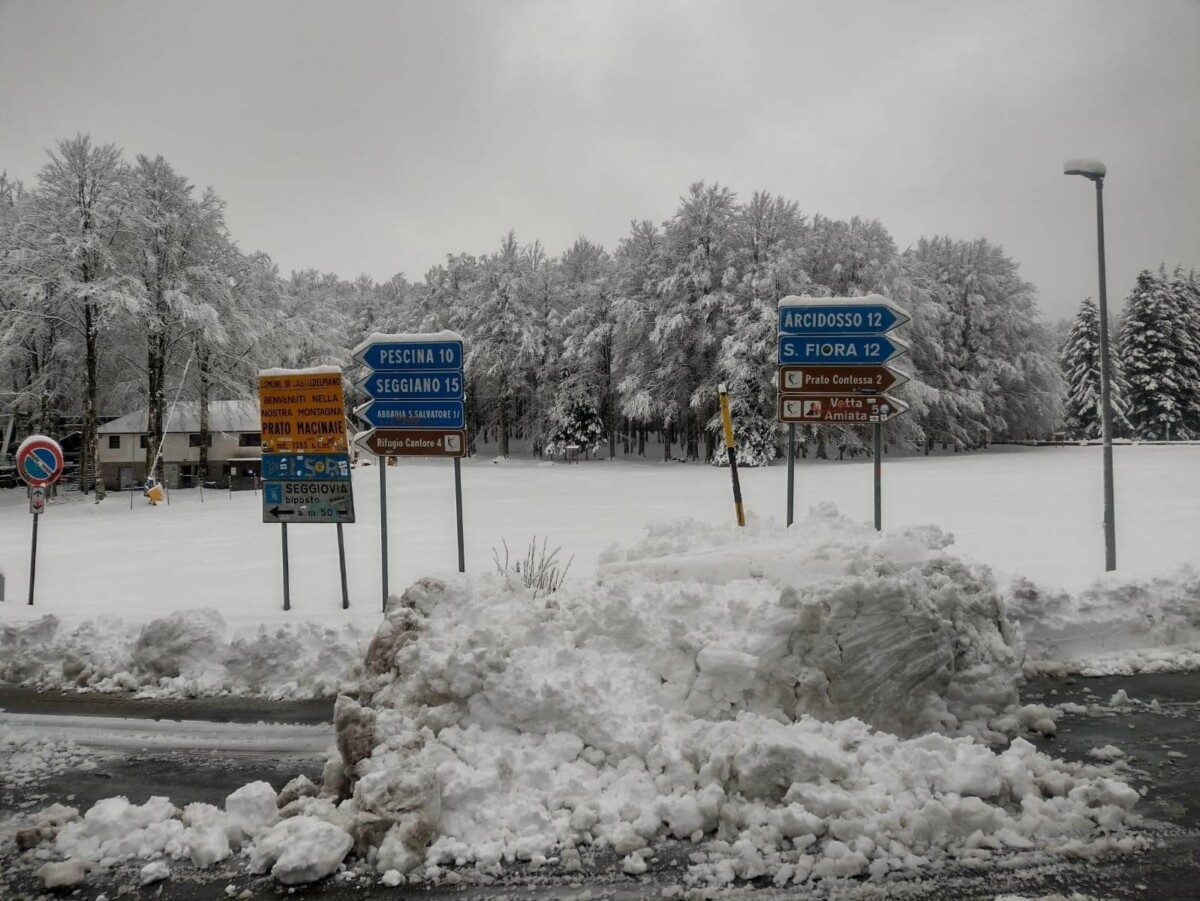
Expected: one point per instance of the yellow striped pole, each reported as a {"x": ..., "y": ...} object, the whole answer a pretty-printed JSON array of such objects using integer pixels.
[{"x": 731, "y": 449}]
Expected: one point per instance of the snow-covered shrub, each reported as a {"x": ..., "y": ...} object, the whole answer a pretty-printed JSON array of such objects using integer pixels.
[{"x": 576, "y": 424}]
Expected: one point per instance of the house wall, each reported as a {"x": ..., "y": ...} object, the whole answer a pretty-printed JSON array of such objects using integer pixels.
[{"x": 180, "y": 461}]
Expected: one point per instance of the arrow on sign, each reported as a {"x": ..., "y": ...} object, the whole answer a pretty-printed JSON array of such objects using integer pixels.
[
  {"x": 280, "y": 511},
  {"x": 854, "y": 349}
]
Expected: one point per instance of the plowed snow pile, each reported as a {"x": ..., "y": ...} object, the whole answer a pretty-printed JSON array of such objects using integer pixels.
[{"x": 799, "y": 705}]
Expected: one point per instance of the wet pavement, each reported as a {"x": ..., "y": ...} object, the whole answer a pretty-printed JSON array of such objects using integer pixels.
[
  {"x": 1153, "y": 741},
  {"x": 232, "y": 709}
]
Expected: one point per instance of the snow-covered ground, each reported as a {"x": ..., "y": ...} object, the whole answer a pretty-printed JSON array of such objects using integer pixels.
[
  {"x": 187, "y": 598},
  {"x": 816, "y": 702}
]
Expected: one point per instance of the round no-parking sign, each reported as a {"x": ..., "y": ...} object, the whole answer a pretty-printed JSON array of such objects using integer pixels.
[{"x": 39, "y": 461}]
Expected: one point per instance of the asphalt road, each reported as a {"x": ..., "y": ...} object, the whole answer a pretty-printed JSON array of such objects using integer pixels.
[{"x": 1158, "y": 733}]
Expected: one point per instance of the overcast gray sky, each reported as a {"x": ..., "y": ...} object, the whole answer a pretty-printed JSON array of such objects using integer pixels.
[{"x": 377, "y": 137}]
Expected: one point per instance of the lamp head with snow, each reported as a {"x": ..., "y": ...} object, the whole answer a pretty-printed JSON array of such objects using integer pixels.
[{"x": 1093, "y": 169}]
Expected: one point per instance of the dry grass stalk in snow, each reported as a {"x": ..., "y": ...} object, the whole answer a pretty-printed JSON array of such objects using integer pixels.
[{"x": 538, "y": 570}]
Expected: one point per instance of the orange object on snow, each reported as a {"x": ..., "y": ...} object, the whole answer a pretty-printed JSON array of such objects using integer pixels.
[{"x": 155, "y": 494}]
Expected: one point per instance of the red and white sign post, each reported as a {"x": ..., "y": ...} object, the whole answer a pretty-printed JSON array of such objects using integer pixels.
[{"x": 39, "y": 463}]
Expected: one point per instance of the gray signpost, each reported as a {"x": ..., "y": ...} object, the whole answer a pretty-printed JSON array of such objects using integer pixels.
[
  {"x": 39, "y": 463},
  {"x": 833, "y": 355},
  {"x": 416, "y": 408},
  {"x": 306, "y": 458}
]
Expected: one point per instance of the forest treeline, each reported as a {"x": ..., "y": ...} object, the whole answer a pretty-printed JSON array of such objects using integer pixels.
[{"x": 121, "y": 287}]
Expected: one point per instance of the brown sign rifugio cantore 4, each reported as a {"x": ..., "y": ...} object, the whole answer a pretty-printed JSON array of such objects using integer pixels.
[{"x": 415, "y": 442}]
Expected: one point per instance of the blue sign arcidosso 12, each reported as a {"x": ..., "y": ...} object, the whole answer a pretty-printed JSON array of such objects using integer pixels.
[
  {"x": 412, "y": 356},
  {"x": 839, "y": 319},
  {"x": 413, "y": 414}
]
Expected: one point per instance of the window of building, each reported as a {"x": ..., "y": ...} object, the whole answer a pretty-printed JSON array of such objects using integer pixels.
[
  {"x": 194, "y": 440},
  {"x": 249, "y": 439},
  {"x": 114, "y": 442},
  {"x": 143, "y": 441}
]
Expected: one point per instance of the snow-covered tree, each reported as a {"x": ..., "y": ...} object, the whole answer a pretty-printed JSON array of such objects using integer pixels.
[
  {"x": 1080, "y": 361},
  {"x": 590, "y": 333},
  {"x": 180, "y": 245},
  {"x": 770, "y": 233},
  {"x": 504, "y": 325},
  {"x": 639, "y": 264},
  {"x": 979, "y": 344},
  {"x": 1187, "y": 298},
  {"x": 674, "y": 373},
  {"x": 575, "y": 422},
  {"x": 67, "y": 256},
  {"x": 1160, "y": 349}
]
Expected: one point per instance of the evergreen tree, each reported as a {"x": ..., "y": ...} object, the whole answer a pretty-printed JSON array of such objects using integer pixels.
[
  {"x": 1080, "y": 362},
  {"x": 575, "y": 422},
  {"x": 1186, "y": 292},
  {"x": 1161, "y": 357}
]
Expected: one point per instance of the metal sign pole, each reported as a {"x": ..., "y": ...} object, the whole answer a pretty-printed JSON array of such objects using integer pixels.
[
  {"x": 791, "y": 478},
  {"x": 458, "y": 508},
  {"x": 383, "y": 539},
  {"x": 287, "y": 593},
  {"x": 878, "y": 477},
  {"x": 33, "y": 558},
  {"x": 342, "y": 565}
]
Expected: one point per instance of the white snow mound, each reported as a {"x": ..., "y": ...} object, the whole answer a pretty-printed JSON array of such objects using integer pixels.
[
  {"x": 189, "y": 653},
  {"x": 806, "y": 703},
  {"x": 1118, "y": 625}
]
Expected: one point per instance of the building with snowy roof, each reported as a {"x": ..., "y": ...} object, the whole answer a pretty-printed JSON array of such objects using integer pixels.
[{"x": 234, "y": 445}]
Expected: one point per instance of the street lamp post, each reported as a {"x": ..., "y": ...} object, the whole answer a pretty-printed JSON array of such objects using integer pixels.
[{"x": 1094, "y": 170}]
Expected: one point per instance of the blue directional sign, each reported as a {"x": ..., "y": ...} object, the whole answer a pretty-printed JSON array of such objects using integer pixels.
[
  {"x": 307, "y": 501},
  {"x": 854, "y": 349},
  {"x": 413, "y": 414},
  {"x": 413, "y": 385},
  {"x": 871, "y": 318},
  {"x": 412, "y": 356},
  {"x": 320, "y": 467}
]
